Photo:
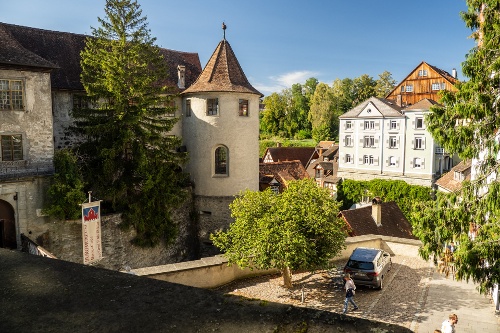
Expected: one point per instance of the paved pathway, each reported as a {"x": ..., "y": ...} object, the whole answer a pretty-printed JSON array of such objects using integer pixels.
[{"x": 475, "y": 312}]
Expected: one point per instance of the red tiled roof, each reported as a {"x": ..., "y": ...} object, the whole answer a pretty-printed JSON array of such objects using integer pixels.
[
  {"x": 448, "y": 181},
  {"x": 303, "y": 154},
  {"x": 222, "y": 73},
  {"x": 394, "y": 223},
  {"x": 282, "y": 171}
]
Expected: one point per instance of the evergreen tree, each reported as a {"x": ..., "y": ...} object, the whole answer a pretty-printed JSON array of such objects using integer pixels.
[
  {"x": 468, "y": 124},
  {"x": 129, "y": 159}
]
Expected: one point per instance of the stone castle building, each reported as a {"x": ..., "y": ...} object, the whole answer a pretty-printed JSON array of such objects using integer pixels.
[{"x": 40, "y": 85}]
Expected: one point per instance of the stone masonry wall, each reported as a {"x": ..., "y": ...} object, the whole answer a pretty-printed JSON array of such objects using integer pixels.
[{"x": 64, "y": 240}]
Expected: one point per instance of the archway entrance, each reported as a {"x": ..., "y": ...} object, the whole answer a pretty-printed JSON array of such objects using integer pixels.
[{"x": 7, "y": 226}]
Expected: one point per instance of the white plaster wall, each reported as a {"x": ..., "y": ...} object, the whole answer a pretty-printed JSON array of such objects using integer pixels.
[{"x": 202, "y": 133}]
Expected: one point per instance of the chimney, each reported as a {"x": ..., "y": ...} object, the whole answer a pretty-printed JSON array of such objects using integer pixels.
[
  {"x": 454, "y": 73},
  {"x": 377, "y": 211},
  {"x": 399, "y": 101},
  {"x": 181, "y": 72},
  {"x": 278, "y": 144}
]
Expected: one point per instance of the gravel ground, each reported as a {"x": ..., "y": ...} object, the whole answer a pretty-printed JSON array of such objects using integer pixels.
[{"x": 398, "y": 303}]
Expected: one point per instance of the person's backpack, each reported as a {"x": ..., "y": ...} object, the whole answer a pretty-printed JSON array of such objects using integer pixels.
[{"x": 349, "y": 293}]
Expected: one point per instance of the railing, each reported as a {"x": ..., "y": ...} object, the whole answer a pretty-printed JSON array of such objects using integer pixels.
[
  {"x": 27, "y": 245},
  {"x": 10, "y": 171}
]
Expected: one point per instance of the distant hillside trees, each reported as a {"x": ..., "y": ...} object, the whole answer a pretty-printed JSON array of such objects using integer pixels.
[
  {"x": 283, "y": 231},
  {"x": 312, "y": 109}
]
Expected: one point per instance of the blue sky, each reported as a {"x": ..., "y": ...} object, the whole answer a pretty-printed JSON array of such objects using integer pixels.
[{"x": 279, "y": 43}]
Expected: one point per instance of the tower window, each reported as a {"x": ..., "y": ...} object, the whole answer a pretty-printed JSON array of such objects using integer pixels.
[
  {"x": 221, "y": 160},
  {"x": 243, "y": 108},
  {"x": 188, "y": 108},
  {"x": 212, "y": 107}
]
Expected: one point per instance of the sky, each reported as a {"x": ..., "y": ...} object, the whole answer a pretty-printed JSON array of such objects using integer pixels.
[{"x": 282, "y": 42}]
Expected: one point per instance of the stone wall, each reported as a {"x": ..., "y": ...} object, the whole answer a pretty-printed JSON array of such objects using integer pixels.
[
  {"x": 214, "y": 271},
  {"x": 64, "y": 240}
]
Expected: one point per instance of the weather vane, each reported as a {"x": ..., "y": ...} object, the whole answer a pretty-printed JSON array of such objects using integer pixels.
[{"x": 224, "y": 28}]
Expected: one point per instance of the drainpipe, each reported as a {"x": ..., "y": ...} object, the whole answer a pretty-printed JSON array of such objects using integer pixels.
[{"x": 16, "y": 218}]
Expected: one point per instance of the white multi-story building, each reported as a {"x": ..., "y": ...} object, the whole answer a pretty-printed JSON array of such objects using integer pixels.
[{"x": 380, "y": 139}]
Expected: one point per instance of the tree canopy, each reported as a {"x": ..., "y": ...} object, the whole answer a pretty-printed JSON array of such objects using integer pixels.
[
  {"x": 296, "y": 229},
  {"x": 467, "y": 123},
  {"x": 129, "y": 159},
  {"x": 312, "y": 109}
]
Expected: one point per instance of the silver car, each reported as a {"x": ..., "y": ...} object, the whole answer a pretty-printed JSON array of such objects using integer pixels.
[{"x": 368, "y": 266}]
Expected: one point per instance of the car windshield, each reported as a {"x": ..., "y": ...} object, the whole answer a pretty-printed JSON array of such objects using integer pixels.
[{"x": 360, "y": 264}]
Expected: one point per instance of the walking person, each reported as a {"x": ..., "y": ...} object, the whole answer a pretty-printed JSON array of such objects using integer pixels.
[
  {"x": 448, "y": 326},
  {"x": 350, "y": 287}
]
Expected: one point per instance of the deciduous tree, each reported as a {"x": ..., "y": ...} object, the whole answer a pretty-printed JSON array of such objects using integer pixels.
[
  {"x": 297, "y": 229},
  {"x": 129, "y": 159}
]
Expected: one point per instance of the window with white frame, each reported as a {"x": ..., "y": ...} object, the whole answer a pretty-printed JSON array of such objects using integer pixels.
[
  {"x": 409, "y": 88},
  {"x": 221, "y": 160},
  {"x": 11, "y": 95},
  {"x": 369, "y": 141},
  {"x": 348, "y": 125},
  {"x": 417, "y": 163},
  {"x": 188, "y": 108},
  {"x": 419, "y": 122},
  {"x": 422, "y": 72},
  {"x": 419, "y": 142},
  {"x": 371, "y": 160},
  {"x": 12, "y": 147},
  {"x": 212, "y": 107},
  {"x": 438, "y": 86},
  {"x": 348, "y": 158},
  {"x": 403, "y": 88},
  {"x": 366, "y": 159},
  {"x": 369, "y": 124},
  {"x": 393, "y": 125},
  {"x": 392, "y": 161},
  {"x": 348, "y": 141},
  {"x": 393, "y": 142},
  {"x": 243, "y": 108}
]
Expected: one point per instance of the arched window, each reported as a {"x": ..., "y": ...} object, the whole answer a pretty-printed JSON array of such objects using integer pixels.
[{"x": 221, "y": 160}]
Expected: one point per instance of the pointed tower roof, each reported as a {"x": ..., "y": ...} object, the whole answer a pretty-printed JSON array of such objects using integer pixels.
[{"x": 222, "y": 73}]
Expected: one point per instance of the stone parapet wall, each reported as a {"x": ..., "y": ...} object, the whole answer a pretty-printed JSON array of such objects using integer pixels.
[{"x": 214, "y": 271}]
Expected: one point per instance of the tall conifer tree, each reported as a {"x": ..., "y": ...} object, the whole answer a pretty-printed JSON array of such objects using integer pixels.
[
  {"x": 130, "y": 160},
  {"x": 468, "y": 123}
]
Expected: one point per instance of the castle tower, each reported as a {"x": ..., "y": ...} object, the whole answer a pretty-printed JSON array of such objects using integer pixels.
[{"x": 220, "y": 128}]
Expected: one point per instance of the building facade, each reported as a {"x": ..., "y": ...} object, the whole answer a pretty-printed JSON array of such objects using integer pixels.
[
  {"x": 379, "y": 139},
  {"x": 40, "y": 85}
]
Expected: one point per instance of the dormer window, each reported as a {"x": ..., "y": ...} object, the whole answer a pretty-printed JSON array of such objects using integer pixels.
[{"x": 458, "y": 176}]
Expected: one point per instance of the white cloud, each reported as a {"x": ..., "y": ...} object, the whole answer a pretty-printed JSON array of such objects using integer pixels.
[{"x": 284, "y": 81}]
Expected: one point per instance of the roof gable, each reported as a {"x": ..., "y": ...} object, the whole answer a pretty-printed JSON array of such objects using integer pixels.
[
  {"x": 385, "y": 108},
  {"x": 370, "y": 110},
  {"x": 276, "y": 154}
]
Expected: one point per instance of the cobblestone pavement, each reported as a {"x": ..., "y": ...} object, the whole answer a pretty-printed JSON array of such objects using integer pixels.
[{"x": 402, "y": 301}]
